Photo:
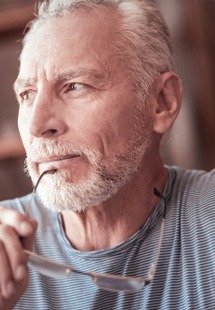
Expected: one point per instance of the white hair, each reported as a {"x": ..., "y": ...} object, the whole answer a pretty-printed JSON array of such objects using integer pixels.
[{"x": 143, "y": 41}]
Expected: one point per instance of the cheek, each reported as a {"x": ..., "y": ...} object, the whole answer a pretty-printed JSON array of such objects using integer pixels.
[
  {"x": 111, "y": 133},
  {"x": 22, "y": 126},
  {"x": 21, "y": 123}
]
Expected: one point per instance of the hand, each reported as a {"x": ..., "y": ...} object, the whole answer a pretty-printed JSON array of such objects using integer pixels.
[{"x": 17, "y": 231}]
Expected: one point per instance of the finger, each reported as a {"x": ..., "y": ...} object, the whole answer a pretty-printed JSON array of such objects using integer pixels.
[
  {"x": 23, "y": 225},
  {"x": 8, "y": 302},
  {"x": 7, "y": 284},
  {"x": 17, "y": 260}
]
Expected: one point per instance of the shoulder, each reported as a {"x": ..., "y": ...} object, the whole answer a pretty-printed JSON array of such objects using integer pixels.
[
  {"x": 193, "y": 194},
  {"x": 20, "y": 204},
  {"x": 26, "y": 204},
  {"x": 199, "y": 183}
]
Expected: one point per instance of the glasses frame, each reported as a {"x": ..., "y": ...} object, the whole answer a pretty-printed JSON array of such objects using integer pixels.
[{"x": 104, "y": 281}]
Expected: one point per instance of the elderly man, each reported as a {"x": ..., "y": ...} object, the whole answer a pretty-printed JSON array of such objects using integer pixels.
[{"x": 97, "y": 91}]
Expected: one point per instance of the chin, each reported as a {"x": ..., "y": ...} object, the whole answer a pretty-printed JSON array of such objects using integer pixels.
[
  {"x": 60, "y": 195},
  {"x": 66, "y": 190}
]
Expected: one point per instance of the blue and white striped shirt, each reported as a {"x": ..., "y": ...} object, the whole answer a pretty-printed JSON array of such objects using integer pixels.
[{"x": 185, "y": 276}]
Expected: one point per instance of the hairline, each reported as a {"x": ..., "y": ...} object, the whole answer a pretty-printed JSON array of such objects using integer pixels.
[{"x": 124, "y": 40}]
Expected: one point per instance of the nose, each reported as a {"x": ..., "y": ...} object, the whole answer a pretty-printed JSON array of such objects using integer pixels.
[{"x": 46, "y": 117}]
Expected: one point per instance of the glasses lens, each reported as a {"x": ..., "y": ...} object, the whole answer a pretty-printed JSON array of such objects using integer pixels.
[
  {"x": 49, "y": 268},
  {"x": 118, "y": 283}
]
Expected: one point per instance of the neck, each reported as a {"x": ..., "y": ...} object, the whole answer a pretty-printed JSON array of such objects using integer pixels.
[{"x": 117, "y": 219}]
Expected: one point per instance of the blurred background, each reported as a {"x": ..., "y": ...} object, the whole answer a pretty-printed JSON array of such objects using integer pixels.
[{"x": 191, "y": 143}]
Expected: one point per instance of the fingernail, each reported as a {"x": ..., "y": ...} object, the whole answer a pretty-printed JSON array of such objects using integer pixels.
[
  {"x": 20, "y": 273},
  {"x": 25, "y": 227},
  {"x": 10, "y": 288}
]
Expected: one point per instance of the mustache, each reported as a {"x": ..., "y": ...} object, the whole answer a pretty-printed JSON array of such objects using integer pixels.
[{"x": 43, "y": 149}]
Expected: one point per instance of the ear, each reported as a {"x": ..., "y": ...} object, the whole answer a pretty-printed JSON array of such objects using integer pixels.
[{"x": 167, "y": 94}]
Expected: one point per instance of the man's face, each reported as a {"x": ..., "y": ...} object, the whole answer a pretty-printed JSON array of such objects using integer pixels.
[{"x": 78, "y": 111}]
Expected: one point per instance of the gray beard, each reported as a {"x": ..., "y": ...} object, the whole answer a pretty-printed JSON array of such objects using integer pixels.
[{"x": 105, "y": 180}]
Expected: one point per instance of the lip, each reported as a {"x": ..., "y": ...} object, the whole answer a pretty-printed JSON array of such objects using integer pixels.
[{"x": 56, "y": 162}]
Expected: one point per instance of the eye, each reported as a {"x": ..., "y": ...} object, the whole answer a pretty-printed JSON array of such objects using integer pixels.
[
  {"x": 75, "y": 87},
  {"x": 27, "y": 96}
]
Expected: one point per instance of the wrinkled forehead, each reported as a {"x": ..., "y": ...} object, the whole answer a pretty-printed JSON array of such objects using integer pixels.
[
  {"x": 75, "y": 35},
  {"x": 82, "y": 24},
  {"x": 73, "y": 43}
]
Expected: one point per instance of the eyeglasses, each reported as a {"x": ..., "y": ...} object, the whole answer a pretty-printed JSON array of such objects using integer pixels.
[{"x": 107, "y": 282}]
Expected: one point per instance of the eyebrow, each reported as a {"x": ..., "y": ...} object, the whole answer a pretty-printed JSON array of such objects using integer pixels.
[
  {"x": 94, "y": 75},
  {"x": 21, "y": 83}
]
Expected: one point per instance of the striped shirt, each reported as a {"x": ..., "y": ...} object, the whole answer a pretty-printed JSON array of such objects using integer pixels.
[{"x": 185, "y": 276}]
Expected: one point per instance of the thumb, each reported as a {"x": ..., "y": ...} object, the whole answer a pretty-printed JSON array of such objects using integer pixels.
[{"x": 28, "y": 241}]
